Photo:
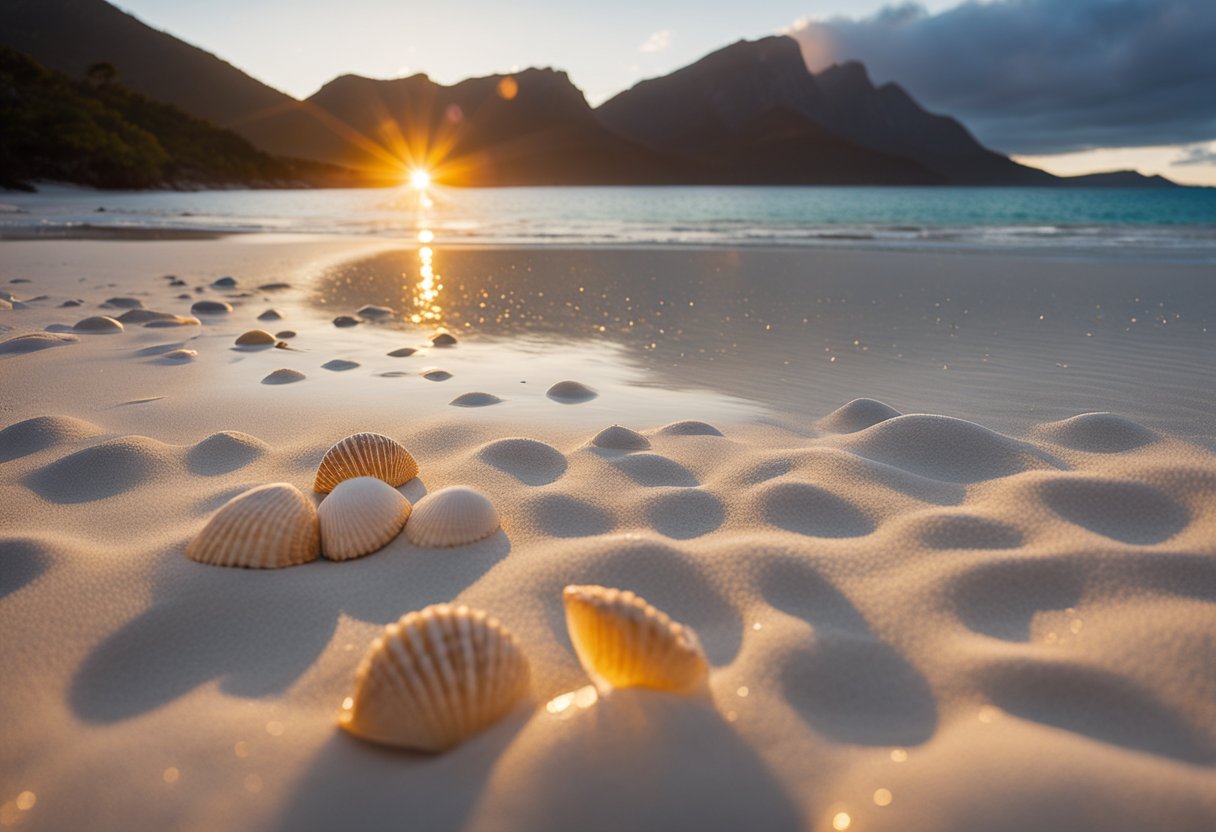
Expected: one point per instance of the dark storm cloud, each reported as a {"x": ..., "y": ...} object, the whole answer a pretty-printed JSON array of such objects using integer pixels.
[{"x": 1044, "y": 76}]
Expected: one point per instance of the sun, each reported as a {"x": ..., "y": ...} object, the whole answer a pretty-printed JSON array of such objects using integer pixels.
[{"x": 420, "y": 179}]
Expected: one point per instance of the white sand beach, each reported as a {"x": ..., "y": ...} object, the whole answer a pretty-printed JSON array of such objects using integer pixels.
[{"x": 982, "y": 597}]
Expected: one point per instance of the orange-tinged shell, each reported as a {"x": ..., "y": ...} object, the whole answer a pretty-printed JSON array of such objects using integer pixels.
[
  {"x": 435, "y": 678},
  {"x": 365, "y": 455},
  {"x": 265, "y": 528},
  {"x": 360, "y": 516},
  {"x": 622, "y": 642},
  {"x": 452, "y": 516},
  {"x": 255, "y": 338}
]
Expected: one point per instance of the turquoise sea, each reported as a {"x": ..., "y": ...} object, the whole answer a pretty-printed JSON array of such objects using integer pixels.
[{"x": 1181, "y": 221}]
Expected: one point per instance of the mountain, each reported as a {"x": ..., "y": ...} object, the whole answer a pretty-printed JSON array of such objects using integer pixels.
[
  {"x": 99, "y": 133},
  {"x": 727, "y": 90},
  {"x": 72, "y": 35},
  {"x": 530, "y": 128},
  {"x": 1118, "y": 179}
]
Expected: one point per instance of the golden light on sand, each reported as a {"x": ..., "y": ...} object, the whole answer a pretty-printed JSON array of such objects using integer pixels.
[
  {"x": 426, "y": 235},
  {"x": 882, "y": 797},
  {"x": 420, "y": 179},
  {"x": 171, "y": 775},
  {"x": 508, "y": 88},
  {"x": 841, "y": 821},
  {"x": 426, "y": 290},
  {"x": 26, "y": 800},
  {"x": 899, "y": 755}
]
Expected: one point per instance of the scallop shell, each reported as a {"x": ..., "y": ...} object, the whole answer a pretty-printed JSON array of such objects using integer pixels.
[
  {"x": 451, "y": 516},
  {"x": 365, "y": 455},
  {"x": 435, "y": 678},
  {"x": 255, "y": 338},
  {"x": 268, "y": 527},
  {"x": 360, "y": 516},
  {"x": 622, "y": 641}
]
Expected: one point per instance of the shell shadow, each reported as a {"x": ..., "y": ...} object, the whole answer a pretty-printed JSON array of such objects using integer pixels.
[
  {"x": 1001, "y": 598},
  {"x": 850, "y": 686},
  {"x": 653, "y": 470},
  {"x": 527, "y": 460},
  {"x": 258, "y": 631},
  {"x": 686, "y": 513},
  {"x": 22, "y": 561},
  {"x": 1097, "y": 704}
]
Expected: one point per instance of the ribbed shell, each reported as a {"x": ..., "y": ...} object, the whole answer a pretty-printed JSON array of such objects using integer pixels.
[
  {"x": 360, "y": 516},
  {"x": 622, "y": 641},
  {"x": 435, "y": 678},
  {"x": 265, "y": 528},
  {"x": 365, "y": 455},
  {"x": 451, "y": 516}
]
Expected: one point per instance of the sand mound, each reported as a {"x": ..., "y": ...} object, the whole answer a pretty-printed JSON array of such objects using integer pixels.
[
  {"x": 223, "y": 452},
  {"x": 618, "y": 438},
  {"x": 858, "y": 414},
  {"x": 211, "y": 307},
  {"x": 42, "y": 432},
  {"x": 955, "y": 529},
  {"x": 1001, "y": 597},
  {"x": 435, "y": 374},
  {"x": 561, "y": 515},
  {"x": 124, "y": 303},
  {"x": 179, "y": 356},
  {"x": 98, "y": 324},
  {"x": 943, "y": 448},
  {"x": 527, "y": 460},
  {"x": 689, "y": 427},
  {"x": 475, "y": 400},
  {"x": 1130, "y": 512},
  {"x": 653, "y": 470},
  {"x": 340, "y": 365},
  {"x": 105, "y": 470},
  {"x": 684, "y": 513},
  {"x": 22, "y": 561},
  {"x": 35, "y": 341},
  {"x": 1098, "y": 433},
  {"x": 570, "y": 392},
  {"x": 810, "y": 510},
  {"x": 143, "y": 316},
  {"x": 284, "y": 375}
]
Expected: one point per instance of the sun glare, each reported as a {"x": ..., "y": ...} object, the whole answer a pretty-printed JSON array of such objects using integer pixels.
[{"x": 420, "y": 179}]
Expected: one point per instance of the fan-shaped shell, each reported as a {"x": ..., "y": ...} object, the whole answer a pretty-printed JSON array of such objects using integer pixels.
[
  {"x": 360, "y": 516},
  {"x": 452, "y": 516},
  {"x": 622, "y": 641},
  {"x": 365, "y": 455},
  {"x": 265, "y": 528},
  {"x": 435, "y": 678}
]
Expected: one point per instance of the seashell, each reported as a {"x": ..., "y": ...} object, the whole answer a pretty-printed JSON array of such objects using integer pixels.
[
  {"x": 224, "y": 283},
  {"x": 402, "y": 352},
  {"x": 443, "y": 339},
  {"x": 142, "y": 316},
  {"x": 451, "y": 516},
  {"x": 72, "y": 302},
  {"x": 124, "y": 303},
  {"x": 340, "y": 365},
  {"x": 435, "y": 678},
  {"x": 211, "y": 307},
  {"x": 475, "y": 400},
  {"x": 284, "y": 375},
  {"x": 622, "y": 641},
  {"x": 436, "y": 374},
  {"x": 267, "y": 527},
  {"x": 176, "y": 320},
  {"x": 570, "y": 392},
  {"x": 287, "y": 333},
  {"x": 271, "y": 315},
  {"x": 360, "y": 516},
  {"x": 346, "y": 320},
  {"x": 180, "y": 355},
  {"x": 255, "y": 338},
  {"x": 98, "y": 324},
  {"x": 619, "y": 438},
  {"x": 365, "y": 455},
  {"x": 376, "y": 313},
  {"x": 689, "y": 427}
]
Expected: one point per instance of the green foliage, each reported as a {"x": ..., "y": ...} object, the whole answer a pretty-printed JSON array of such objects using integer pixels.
[{"x": 96, "y": 132}]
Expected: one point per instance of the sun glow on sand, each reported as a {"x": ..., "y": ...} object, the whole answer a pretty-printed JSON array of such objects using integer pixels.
[{"x": 420, "y": 179}]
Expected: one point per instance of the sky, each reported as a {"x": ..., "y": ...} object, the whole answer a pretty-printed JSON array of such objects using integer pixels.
[{"x": 1069, "y": 85}]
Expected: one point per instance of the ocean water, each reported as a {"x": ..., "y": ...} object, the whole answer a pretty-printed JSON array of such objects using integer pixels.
[{"x": 1181, "y": 221}]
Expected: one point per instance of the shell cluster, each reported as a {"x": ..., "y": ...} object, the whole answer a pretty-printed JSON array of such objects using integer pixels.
[
  {"x": 267, "y": 527},
  {"x": 435, "y": 678}
]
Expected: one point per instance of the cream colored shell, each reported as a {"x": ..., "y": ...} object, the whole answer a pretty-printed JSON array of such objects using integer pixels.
[
  {"x": 360, "y": 516},
  {"x": 435, "y": 678},
  {"x": 265, "y": 528},
  {"x": 452, "y": 516},
  {"x": 622, "y": 641},
  {"x": 365, "y": 455}
]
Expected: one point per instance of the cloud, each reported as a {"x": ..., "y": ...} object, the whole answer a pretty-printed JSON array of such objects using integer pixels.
[
  {"x": 1196, "y": 154},
  {"x": 1043, "y": 76},
  {"x": 657, "y": 42}
]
